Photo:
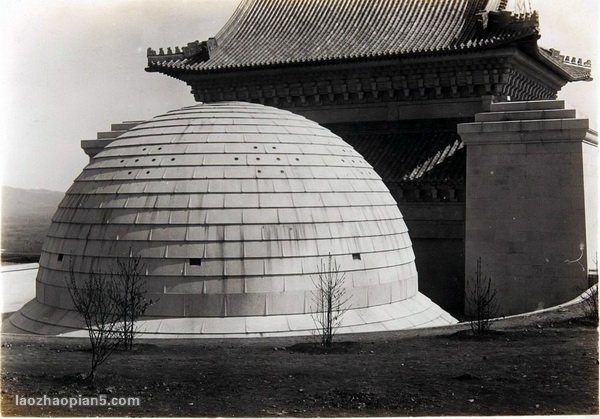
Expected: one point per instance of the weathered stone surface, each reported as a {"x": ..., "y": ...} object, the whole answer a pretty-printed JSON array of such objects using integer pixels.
[
  {"x": 531, "y": 203},
  {"x": 231, "y": 207}
]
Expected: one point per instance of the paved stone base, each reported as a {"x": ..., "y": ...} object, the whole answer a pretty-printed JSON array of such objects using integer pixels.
[{"x": 416, "y": 312}]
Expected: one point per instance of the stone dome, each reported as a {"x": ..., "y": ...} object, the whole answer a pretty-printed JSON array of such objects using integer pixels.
[{"x": 231, "y": 208}]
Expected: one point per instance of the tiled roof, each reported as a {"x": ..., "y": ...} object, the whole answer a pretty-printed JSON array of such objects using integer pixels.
[
  {"x": 267, "y": 32},
  {"x": 573, "y": 67},
  {"x": 263, "y": 33},
  {"x": 436, "y": 157}
]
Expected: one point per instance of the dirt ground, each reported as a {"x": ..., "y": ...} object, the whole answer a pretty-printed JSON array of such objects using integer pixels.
[{"x": 538, "y": 365}]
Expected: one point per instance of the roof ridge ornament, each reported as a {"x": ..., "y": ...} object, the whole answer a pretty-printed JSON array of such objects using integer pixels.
[
  {"x": 569, "y": 60},
  {"x": 522, "y": 23},
  {"x": 200, "y": 51},
  {"x": 452, "y": 26}
]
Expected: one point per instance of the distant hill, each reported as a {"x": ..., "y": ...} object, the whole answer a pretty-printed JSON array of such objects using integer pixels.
[
  {"x": 29, "y": 202},
  {"x": 26, "y": 216}
]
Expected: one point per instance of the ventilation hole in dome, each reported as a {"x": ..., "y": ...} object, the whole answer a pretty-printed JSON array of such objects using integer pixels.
[
  {"x": 236, "y": 158},
  {"x": 195, "y": 262},
  {"x": 274, "y": 148},
  {"x": 281, "y": 171},
  {"x": 356, "y": 256},
  {"x": 60, "y": 257},
  {"x": 122, "y": 161},
  {"x": 153, "y": 159},
  {"x": 128, "y": 173},
  {"x": 172, "y": 158},
  {"x": 144, "y": 149},
  {"x": 297, "y": 159},
  {"x": 259, "y": 171},
  {"x": 137, "y": 160},
  {"x": 278, "y": 159},
  {"x": 343, "y": 161},
  {"x": 258, "y": 158},
  {"x": 160, "y": 148},
  {"x": 147, "y": 172}
]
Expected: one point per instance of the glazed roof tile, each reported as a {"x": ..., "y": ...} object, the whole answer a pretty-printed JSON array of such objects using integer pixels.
[
  {"x": 436, "y": 157},
  {"x": 574, "y": 68},
  {"x": 264, "y": 33}
]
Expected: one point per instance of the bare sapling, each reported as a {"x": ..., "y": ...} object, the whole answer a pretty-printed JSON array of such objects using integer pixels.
[{"x": 331, "y": 300}]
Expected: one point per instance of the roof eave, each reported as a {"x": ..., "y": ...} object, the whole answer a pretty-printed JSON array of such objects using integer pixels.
[
  {"x": 557, "y": 68},
  {"x": 173, "y": 71}
]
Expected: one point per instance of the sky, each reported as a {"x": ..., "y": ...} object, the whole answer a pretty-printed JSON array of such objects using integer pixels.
[{"x": 73, "y": 67}]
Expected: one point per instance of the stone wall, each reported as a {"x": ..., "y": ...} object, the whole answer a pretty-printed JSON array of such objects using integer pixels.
[
  {"x": 590, "y": 183},
  {"x": 424, "y": 169},
  {"x": 437, "y": 234},
  {"x": 530, "y": 212}
]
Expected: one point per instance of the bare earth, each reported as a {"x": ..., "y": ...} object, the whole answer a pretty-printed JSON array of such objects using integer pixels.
[{"x": 542, "y": 364}]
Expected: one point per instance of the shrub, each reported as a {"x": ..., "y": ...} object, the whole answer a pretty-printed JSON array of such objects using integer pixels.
[
  {"x": 589, "y": 305},
  {"x": 110, "y": 304},
  {"x": 480, "y": 302},
  {"x": 93, "y": 300},
  {"x": 330, "y": 300}
]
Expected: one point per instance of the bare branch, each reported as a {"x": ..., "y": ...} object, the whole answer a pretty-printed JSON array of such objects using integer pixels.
[
  {"x": 480, "y": 302},
  {"x": 331, "y": 301},
  {"x": 110, "y": 304}
]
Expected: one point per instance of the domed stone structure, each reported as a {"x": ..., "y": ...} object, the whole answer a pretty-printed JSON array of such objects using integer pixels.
[{"x": 232, "y": 207}]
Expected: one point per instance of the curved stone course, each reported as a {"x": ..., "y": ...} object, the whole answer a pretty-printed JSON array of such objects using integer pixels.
[{"x": 232, "y": 207}]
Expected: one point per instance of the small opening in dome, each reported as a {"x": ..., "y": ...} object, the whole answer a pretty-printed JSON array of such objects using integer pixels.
[
  {"x": 128, "y": 173},
  {"x": 274, "y": 148},
  {"x": 278, "y": 159},
  {"x": 122, "y": 161},
  {"x": 356, "y": 256},
  {"x": 144, "y": 149},
  {"x": 160, "y": 148},
  {"x": 195, "y": 262},
  {"x": 147, "y": 172},
  {"x": 259, "y": 171},
  {"x": 258, "y": 158},
  {"x": 297, "y": 159},
  {"x": 172, "y": 158},
  {"x": 255, "y": 147},
  {"x": 137, "y": 160},
  {"x": 59, "y": 257},
  {"x": 236, "y": 158},
  {"x": 281, "y": 171},
  {"x": 153, "y": 159},
  {"x": 343, "y": 161}
]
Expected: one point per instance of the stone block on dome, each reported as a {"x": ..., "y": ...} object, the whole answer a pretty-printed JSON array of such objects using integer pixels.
[{"x": 232, "y": 220}]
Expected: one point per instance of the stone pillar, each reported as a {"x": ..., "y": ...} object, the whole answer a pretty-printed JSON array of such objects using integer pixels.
[{"x": 531, "y": 202}]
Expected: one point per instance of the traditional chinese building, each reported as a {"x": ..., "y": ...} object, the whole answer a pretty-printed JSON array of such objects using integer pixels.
[{"x": 393, "y": 78}]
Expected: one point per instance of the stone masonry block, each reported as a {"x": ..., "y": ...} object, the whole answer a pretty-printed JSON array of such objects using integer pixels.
[
  {"x": 528, "y": 105},
  {"x": 541, "y": 125},
  {"x": 526, "y": 203},
  {"x": 577, "y": 124},
  {"x": 525, "y": 115}
]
